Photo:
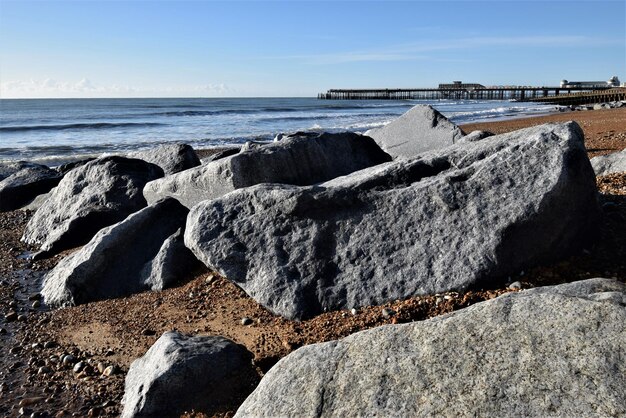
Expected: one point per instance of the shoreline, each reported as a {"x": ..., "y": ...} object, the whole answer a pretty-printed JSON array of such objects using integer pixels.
[{"x": 116, "y": 331}]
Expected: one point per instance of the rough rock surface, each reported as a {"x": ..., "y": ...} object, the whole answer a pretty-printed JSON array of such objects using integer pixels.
[
  {"x": 7, "y": 169},
  {"x": 67, "y": 167},
  {"x": 466, "y": 215},
  {"x": 172, "y": 263},
  {"x": 181, "y": 373},
  {"x": 607, "y": 164},
  {"x": 553, "y": 351},
  {"x": 420, "y": 129},
  {"x": 97, "y": 194},
  {"x": 21, "y": 187},
  {"x": 111, "y": 264},
  {"x": 172, "y": 158},
  {"x": 219, "y": 155},
  {"x": 304, "y": 159}
]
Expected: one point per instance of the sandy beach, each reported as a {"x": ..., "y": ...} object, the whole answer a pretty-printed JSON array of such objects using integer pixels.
[{"x": 114, "y": 332}]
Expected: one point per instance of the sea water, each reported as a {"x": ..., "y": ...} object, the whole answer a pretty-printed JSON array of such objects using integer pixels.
[{"x": 51, "y": 131}]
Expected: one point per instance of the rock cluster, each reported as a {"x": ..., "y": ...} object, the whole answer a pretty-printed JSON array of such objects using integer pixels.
[
  {"x": 300, "y": 159},
  {"x": 464, "y": 215}
]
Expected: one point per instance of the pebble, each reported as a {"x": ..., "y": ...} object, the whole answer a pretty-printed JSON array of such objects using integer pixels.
[
  {"x": 35, "y": 296},
  {"x": 448, "y": 297},
  {"x": 21, "y": 317},
  {"x": 11, "y": 316},
  {"x": 78, "y": 367},
  {"x": 31, "y": 401},
  {"x": 100, "y": 367},
  {"x": 388, "y": 313},
  {"x": 68, "y": 360},
  {"x": 148, "y": 332},
  {"x": 49, "y": 344},
  {"x": 111, "y": 370},
  {"x": 353, "y": 311},
  {"x": 3, "y": 331},
  {"x": 13, "y": 304},
  {"x": 515, "y": 286},
  {"x": 44, "y": 370},
  {"x": 246, "y": 321},
  {"x": 36, "y": 304}
]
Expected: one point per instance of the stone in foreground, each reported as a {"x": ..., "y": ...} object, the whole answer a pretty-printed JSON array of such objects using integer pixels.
[
  {"x": 24, "y": 185},
  {"x": 468, "y": 215},
  {"x": 172, "y": 158},
  {"x": 553, "y": 351},
  {"x": 90, "y": 197},
  {"x": 181, "y": 373},
  {"x": 112, "y": 263},
  {"x": 608, "y": 164},
  {"x": 420, "y": 129},
  {"x": 303, "y": 159}
]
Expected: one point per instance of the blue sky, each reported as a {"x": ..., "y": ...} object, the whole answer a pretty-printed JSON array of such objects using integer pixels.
[{"x": 197, "y": 48}]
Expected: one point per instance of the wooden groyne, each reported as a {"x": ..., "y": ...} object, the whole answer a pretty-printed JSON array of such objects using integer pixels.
[
  {"x": 521, "y": 93},
  {"x": 585, "y": 98}
]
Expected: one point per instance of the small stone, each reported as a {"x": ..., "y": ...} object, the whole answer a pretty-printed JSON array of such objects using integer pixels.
[
  {"x": 21, "y": 317},
  {"x": 515, "y": 286},
  {"x": 353, "y": 311},
  {"x": 44, "y": 370},
  {"x": 148, "y": 332},
  {"x": 68, "y": 360},
  {"x": 388, "y": 313},
  {"x": 36, "y": 304},
  {"x": 246, "y": 321},
  {"x": 78, "y": 367},
  {"x": 36, "y": 346},
  {"x": 31, "y": 401},
  {"x": 111, "y": 370},
  {"x": 13, "y": 304},
  {"x": 3, "y": 331},
  {"x": 35, "y": 296},
  {"x": 448, "y": 297},
  {"x": 25, "y": 411},
  {"x": 11, "y": 316},
  {"x": 209, "y": 279},
  {"x": 49, "y": 344},
  {"x": 100, "y": 367}
]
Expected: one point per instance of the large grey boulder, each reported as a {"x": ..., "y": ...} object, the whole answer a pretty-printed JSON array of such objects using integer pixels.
[
  {"x": 9, "y": 168},
  {"x": 554, "y": 351},
  {"x": 180, "y": 373},
  {"x": 470, "y": 214},
  {"x": 118, "y": 261},
  {"x": 302, "y": 159},
  {"x": 420, "y": 129},
  {"x": 607, "y": 164},
  {"x": 21, "y": 187},
  {"x": 172, "y": 158},
  {"x": 97, "y": 194},
  {"x": 475, "y": 136}
]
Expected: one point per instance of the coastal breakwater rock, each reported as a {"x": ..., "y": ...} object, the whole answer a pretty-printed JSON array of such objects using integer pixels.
[
  {"x": 468, "y": 214},
  {"x": 420, "y": 129},
  {"x": 180, "y": 373},
  {"x": 608, "y": 164},
  {"x": 301, "y": 160},
  {"x": 119, "y": 260},
  {"x": 90, "y": 197},
  {"x": 551, "y": 351},
  {"x": 172, "y": 158},
  {"x": 25, "y": 184}
]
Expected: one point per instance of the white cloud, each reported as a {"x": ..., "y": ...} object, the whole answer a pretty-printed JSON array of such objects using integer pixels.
[{"x": 49, "y": 88}]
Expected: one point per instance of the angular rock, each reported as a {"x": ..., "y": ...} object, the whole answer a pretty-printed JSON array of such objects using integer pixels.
[
  {"x": 111, "y": 264},
  {"x": 172, "y": 263},
  {"x": 607, "y": 164},
  {"x": 470, "y": 214},
  {"x": 7, "y": 169},
  {"x": 97, "y": 194},
  {"x": 221, "y": 154},
  {"x": 21, "y": 187},
  {"x": 475, "y": 136},
  {"x": 181, "y": 373},
  {"x": 172, "y": 158},
  {"x": 554, "y": 351},
  {"x": 420, "y": 129},
  {"x": 303, "y": 159}
]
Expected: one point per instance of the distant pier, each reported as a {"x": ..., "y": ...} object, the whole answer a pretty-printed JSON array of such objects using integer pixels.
[
  {"x": 521, "y": 93},
  {"x": 585, "y": 98}
]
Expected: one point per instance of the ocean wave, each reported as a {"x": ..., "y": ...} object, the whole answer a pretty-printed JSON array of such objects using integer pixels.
[{"x": 100, "y": 125}]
